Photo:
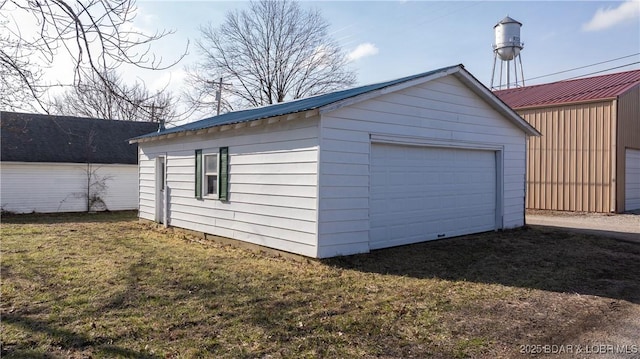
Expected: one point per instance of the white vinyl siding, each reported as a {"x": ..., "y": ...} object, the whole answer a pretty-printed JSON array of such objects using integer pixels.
[
  {"x": 272, "y": 184},
  {"x": 632, "y": 180},
  {"x": 61, "y": 187},
  {"x": 440, "y": 110}
]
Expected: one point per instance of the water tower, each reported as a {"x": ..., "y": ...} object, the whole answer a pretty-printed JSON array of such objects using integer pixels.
[{"x": 507, "y": 47}]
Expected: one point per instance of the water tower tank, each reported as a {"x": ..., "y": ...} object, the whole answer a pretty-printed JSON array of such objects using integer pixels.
[
  {"x": 507, "y": 48},
  {"x": 507, "y": 33}
]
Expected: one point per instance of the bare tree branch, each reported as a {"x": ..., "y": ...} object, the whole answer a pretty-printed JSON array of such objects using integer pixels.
[
  {"x": 98, "y": 35},
  {"x": 93, "y": 99},
  {"x": 272, "y": 52}
]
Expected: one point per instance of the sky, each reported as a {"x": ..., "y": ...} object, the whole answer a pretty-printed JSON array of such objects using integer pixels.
[{"x": 390, "y": 39}]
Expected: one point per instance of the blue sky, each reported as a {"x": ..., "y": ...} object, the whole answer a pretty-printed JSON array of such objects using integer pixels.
[
  {"x": 391, "y": 39},
  {"x": 397, "y": 38}
]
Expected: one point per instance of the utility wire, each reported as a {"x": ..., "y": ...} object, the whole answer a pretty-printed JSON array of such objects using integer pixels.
[
  {"x": 597, "y": 72},
  {"x": 582, "y": 67}
]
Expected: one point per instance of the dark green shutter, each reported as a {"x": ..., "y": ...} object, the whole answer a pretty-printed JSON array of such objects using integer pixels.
[
  {"x": 223, "y": 174},
  {"x": 199, "y": 174}
]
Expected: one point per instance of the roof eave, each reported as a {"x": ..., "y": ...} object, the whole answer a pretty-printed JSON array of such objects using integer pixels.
[{"x": 228, "y": 126}]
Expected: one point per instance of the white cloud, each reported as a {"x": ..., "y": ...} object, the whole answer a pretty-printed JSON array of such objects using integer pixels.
[
  {"x": 609, "y": 17},
  {"x": 170, "y": 80},
  {"x": 362, "y": 50}
]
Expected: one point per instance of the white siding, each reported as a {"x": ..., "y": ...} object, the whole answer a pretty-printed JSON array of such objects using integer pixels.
[
  {"x": 272, "y": 184},
  {"x": 440, "y": 110},
  {"x": 52, "y": 187}
]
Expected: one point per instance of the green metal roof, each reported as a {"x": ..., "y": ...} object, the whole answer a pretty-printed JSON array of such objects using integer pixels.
[{"x": 286, "y": 108}]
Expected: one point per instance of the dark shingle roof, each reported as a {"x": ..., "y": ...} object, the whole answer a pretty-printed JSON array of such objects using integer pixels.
[
  {"x": 290, "y": 107},
  {"x": 43, "y": 138}
]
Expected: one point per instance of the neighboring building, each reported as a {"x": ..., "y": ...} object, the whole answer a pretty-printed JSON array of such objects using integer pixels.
[
  {"x": 63, "y": 164},
  {"x": 428, "y": 156},
  {"x": 588, "y": 158}
]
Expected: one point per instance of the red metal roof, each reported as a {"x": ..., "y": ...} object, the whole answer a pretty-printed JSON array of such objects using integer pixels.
[{"x": 579, "y": 90}]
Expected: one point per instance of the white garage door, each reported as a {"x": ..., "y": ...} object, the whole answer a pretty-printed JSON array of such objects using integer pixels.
[
  {"x": 632, "y": 180},
  {"x": 424, "y": 193}
]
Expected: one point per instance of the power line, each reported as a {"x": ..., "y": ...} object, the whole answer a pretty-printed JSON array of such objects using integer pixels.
[
  {"x": 582, "y": 67},
  {"x": 605, "y": 70}
]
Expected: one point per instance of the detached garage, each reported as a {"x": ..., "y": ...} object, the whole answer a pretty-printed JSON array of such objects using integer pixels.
[{"x": 428, "y": 156}]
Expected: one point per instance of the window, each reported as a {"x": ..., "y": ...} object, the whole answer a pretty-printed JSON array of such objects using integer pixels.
[{"x": 211, "y": 175}]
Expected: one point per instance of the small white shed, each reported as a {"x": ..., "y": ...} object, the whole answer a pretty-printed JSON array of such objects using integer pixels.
[
  {"x": 68, "y": 164},
  {"x": 428, "y": 156}
]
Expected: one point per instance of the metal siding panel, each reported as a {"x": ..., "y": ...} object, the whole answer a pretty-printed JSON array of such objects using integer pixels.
[
  {"x": 597, "y": 156},
  {"x": 532, "y": 163},
  {"x": 591, "y": 172},
  {"x": 553, "y": 145},
  {"x": 606, "y": 157},
  {"x": 570, "y": 166},
  {"x": 565, "y": 155},
  {"x": 584, "y": 145},
  {"x": 548, "y": 164},
  {"x": 573, "y": 162}
]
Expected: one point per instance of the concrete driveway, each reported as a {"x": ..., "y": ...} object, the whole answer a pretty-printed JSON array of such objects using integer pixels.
[{"x": 622, "y": 226}]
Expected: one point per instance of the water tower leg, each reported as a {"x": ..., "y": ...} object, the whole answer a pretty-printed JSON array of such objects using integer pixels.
[
  {"x": 521, "y": 70},
  {"x": 493, "y": 72},
  {"x": 508, "y": 73},
  {"x": 501, "y": 70}
]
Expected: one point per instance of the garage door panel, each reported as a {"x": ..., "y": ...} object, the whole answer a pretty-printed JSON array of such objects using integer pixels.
[
  {"x": 422, "y": 193},
  {"x": 632, "y": 180}
]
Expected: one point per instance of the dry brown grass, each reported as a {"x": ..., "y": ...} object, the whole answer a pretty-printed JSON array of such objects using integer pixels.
[{"x": 104, "y": 285}]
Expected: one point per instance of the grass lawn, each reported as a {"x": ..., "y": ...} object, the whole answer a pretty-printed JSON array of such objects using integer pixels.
[{"x": 104, "y": 285}]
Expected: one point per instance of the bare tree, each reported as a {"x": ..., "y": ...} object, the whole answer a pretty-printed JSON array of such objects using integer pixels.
[
  {"x": 98, "y": 35},
  {"x": 272, "y": 52},
  {"x": 94, "y": 99}
]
